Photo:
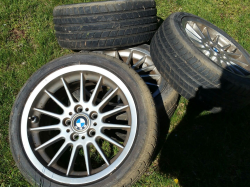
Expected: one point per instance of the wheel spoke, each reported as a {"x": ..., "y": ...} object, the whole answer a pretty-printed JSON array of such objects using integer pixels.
[
  {"x": 111, "y": 141},
  {"x": 233, "y": 55},
  {"x": 140, "y": 62},
  {"x": 117, "y": 55},
  {"x": 72, "y": 160},
  {"x": 146, "y": 77},
  {"x": 82, "y": 87},
  {"x": 96, "y": 91},
  {"x": 115, "y": 111},
  {"x": 198, "y": 43},
  {"x": 129, "y": 58},
  {"x": 237, "y": 61},
  {"x": 107, "y": 99},
  {"x": 58, "y": 154},
  {"x": 115, "y": 126},
  {"x": 48, "y": 113},
  {"x": 146, "y": 69},
  {"x": 198, "y": 30},
  {"x": 56, "y": 100},
  {"x": 216, "y": 40},
  {"x": 236, "y": 68},
  {"x": 49, "y": 142},
  {"x": 100, "y": 152},
  {"x": 67, "y": 91},
  {"x": 208, "y": 35},
  {"x": 46, "y": 128},
  {"x": 86, "y": 157},
  {"x": 226, "y": 47},
  {"x": 192, "y": 33},
  {"x": 151, "y": 84}
]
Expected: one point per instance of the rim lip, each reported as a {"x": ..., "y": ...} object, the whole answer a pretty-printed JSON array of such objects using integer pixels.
[
  {"x": 24, "y": 129},
  {"x": 161, "y": 82},
  {"x": 194, "y": 18}
]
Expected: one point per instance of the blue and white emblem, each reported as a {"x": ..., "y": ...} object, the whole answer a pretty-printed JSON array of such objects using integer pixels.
[{"x": 80, "y": 123}]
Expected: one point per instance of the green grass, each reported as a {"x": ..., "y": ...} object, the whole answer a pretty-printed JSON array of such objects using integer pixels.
[{"x": 201, "y": 149}]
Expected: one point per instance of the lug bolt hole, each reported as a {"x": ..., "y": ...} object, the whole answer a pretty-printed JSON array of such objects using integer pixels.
[
  {"x": 75, "y": 137},
  {"x": 93, "y": 115},
  {"x": 67, "y": 122},
  {"x": 91, "y": 132},
  {"x": 79, "y": 109},
  {"x": 34, "y": 119}
]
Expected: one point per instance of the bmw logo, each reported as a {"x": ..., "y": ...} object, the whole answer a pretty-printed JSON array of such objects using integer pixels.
[{"x": 80, "y": 123}]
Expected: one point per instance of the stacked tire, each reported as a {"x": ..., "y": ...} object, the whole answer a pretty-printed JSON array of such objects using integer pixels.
[{"x": 93, "y": 118}]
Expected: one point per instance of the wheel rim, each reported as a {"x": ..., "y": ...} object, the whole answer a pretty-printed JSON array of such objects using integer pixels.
[
  {"x": 216, "y": 46},
  {"x": 81, "y": 125},
  {"x": 140, "y": 60}
]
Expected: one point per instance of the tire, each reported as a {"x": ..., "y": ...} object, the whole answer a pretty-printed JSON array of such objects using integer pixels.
[
  {"x": 164, "y": 95},
  {"x": 46, "y": 90},
  {"x": 195, "y": 68},
  {"x": 105, "y": 25}
]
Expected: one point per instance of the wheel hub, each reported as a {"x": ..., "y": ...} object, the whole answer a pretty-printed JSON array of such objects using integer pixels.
[{"x": 80, "y": 123}]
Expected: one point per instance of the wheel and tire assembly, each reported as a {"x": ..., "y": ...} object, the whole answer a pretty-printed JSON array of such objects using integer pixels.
[
  {"x": 105, "y": 25},
  {"x": 139, "y": 59},
  {"x": 201, "y": 61},
  {"x": 60, "y": 139}
]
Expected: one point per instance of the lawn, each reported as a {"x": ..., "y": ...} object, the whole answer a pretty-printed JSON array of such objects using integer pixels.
[{"x": 201, "y": 149}]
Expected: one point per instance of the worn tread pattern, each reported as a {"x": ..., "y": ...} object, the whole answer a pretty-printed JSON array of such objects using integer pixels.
[
  {"x": 192, "y": 74},
  {"x": 105, "y": 25}
]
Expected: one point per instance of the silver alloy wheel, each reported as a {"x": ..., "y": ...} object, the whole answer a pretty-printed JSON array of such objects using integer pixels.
[
  {"x": 81, "y": 124},
  {"x": 216, "y": 47},
  {"x": 140, "y": 60}
]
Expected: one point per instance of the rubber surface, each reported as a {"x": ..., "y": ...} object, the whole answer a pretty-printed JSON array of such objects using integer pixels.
[
  {"x": 193, "y": 74},
  {"x": 105, "y": 25},
  {"x": 141, "y": 153}
]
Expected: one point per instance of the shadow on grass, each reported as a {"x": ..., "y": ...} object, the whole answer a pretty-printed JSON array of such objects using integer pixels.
[{"x": 209, "y": 150}]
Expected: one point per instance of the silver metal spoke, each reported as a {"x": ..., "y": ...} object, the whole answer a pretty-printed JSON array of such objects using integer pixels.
[
  {"x": 67, "y": 91},
  {"x": 108, "y": 92},
  {"x": 107, "y": 99},
  {"x": 146, "y": 69},
  {"x": 226, "y": 47},
  {"x": 151, "y": 84},
  {"x": 129, "y": 58},
  {"x": 101, "y": 152},
  {"x": 229, "y": 67},
  {"x": 82, "y": 87},
  {"x": 216, "y": 40},
  {"x": 197, "y": 29},
  {"x": 58, "y": 154},
  {"x": 72, "y": 160},
  {"x": 208, "y": 35},
  {"x": 140, "y": 62},
  {"x": 115, "y": 111},
  {"x": 234, "y": 55},
  {"x": 236, "y": 68},
  {"x": 117, "y": 55},
  {"x": 56, "y": 100},
  {"x": 48, "y": 113},
  {"x": 115, "y": 126},
  {"x": 111, "y": 141},
  {"x": 237, "y": 61},
  {"x": 87, "y": 160},
  {"x": 192, "y": 33},
  {"x": 46, "y": 128},
  {"x": 155, "y": 77},
  {"x": 49, "y": 142},
  {"x": 96, "y": 91}
]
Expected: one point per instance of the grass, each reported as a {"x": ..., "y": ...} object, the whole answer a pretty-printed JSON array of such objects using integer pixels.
[{"x": 201, "y": 149}]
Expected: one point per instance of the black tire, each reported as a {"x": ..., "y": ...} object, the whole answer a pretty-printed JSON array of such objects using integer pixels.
[
  {"x": 192, "y": 73},
  {"x": 167, "y": 98},
  {"x": 105, "y": 25},
  {"x": 144, "y": 144}
]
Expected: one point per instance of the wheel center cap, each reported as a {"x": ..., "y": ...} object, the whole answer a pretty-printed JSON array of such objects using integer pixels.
[
  {"x": 216, "y": 50},
  {"x": 80, "y": 122}
]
